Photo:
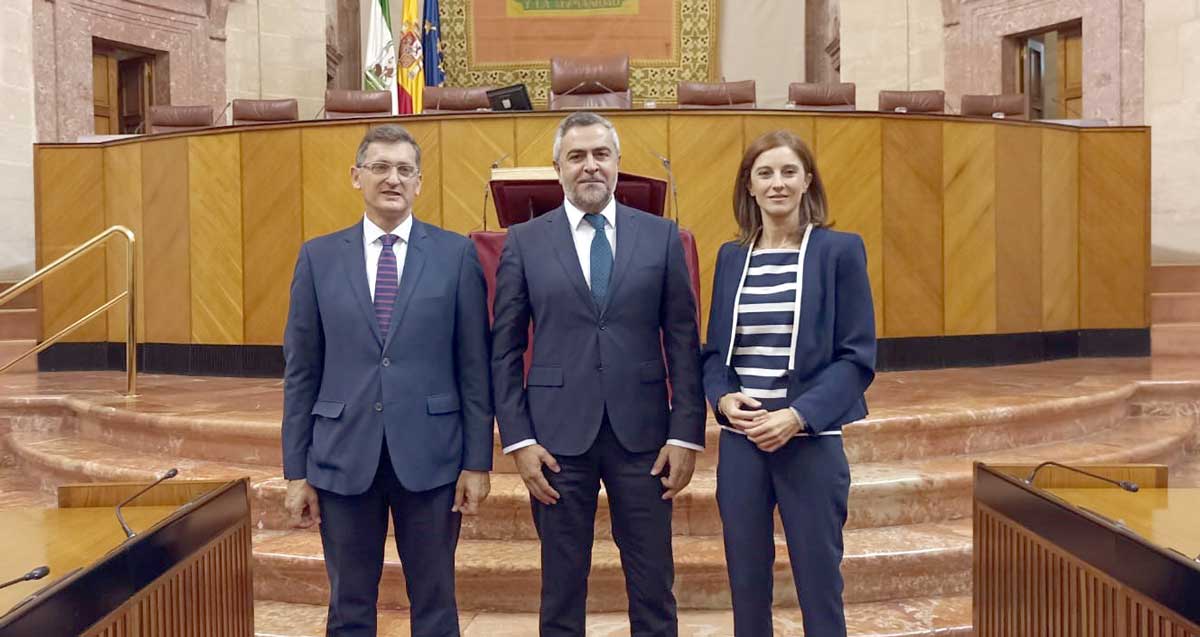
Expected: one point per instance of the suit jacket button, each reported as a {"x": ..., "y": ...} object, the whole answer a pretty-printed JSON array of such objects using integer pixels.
[
  {"x": 387, "y": 362},
  {"x": 603, "y": 327},
  {"x": 378, "y": 406}
]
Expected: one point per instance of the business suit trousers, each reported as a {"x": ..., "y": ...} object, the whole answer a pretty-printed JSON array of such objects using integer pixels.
[
  {"x": 353, "y": 533},
  {"x": 641, "y": 527},
  {"x": 809, "y": 480}
]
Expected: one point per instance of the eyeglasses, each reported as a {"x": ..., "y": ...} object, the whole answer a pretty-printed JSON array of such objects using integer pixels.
[{"x": 383, "y": 169}]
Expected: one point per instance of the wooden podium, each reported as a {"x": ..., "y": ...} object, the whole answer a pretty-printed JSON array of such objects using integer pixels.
[
  {"x": 1074, "y": 556},
  {"x": 186, "y": 572}
]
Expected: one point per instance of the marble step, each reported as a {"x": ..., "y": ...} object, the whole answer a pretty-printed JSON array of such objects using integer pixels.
[
  {"x": 19, "y": 323},
  {"x": 1175, "y": 278},
  {"x": 11, "y": 349},
  {"x": 1175, "y": 339},
  {"x": 881, "y": 494},
  {"x": 26, "y": 299},
  {"x": 1001, "y": 422},
  {"x": 930, "y": 560},
  {"x": 1174, "y": 307},
  {"x": 927, "y": 617}
]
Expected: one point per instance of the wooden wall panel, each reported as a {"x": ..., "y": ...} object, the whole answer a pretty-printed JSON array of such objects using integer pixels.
[
  {"x": 1060, "y": 230},
  {"x": 706, "y": 151},
  {"x": 123, "y": 206},
  {"x": 969, "y": 167},
  {"x": 1018, "y": 229},
  {"x": 428, "y": 205},
  {"x": 850, "y": 158},
  {"x": 1113, "y": 225},
  {"x": 165, "y": 250},
  {"x": 330, "y": 202},
  {"x": 642, "y": 138},
  {"x": 468, "y": 149},
  {"x": 215, "y": 218},
  {"x": 271, "y": 213},
  {"x": 70, "y": 191},
  {"x": 912, "y": 227},
  {"x": 756, "y": 125},
  {"x": 534, "y": 141}
]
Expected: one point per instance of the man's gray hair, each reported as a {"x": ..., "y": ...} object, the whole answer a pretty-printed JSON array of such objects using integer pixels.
[
  {"x": 386, "y": 134},
  {"x": 580, "y": 119}
]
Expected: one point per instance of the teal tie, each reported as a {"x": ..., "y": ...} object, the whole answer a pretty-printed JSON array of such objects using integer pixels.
[{"x": 602, "y": 259}]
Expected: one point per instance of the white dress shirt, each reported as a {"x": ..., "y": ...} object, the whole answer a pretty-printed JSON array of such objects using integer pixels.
[
  {"x": 583, "y": 232},
  {"x": 373, "y": 248}
]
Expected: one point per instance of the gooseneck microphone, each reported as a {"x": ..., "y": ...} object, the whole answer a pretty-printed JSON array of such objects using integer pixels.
[
  {"x": 487, "y": 190},
  {"x": 666, "y": 164},
  {"x": 1131, "y": 487},
  {"x": 35, "y": 574},
  {"x": 171, "y": 473}
]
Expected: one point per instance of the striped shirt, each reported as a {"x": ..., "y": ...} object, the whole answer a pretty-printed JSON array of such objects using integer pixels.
[{"x": 766, "y": 308}]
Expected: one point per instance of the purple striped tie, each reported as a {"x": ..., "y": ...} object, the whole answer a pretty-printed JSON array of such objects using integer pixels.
[{"x": 386, "y": 283}]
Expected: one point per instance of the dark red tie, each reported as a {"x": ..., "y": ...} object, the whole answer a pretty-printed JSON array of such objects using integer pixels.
[{"x": 386, "y": 283}]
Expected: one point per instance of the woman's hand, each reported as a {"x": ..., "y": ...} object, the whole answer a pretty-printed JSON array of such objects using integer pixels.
[
  {"x": 742, "y": 411},
  {"x": 775, "y": 430}
]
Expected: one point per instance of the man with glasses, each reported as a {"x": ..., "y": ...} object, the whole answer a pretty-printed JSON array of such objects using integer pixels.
[{"x": 387, "y": 395}]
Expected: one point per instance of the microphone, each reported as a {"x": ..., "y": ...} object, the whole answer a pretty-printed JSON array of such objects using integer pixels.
[
  {"x": 666, "y": 163},
  {"x": 35, "y": 574},
  {"x": 487, "y": 189},
  {"x": 221, "y": 116},
  {"x": 171, "y": 473},
  {"x": 585, "y": 83},
  {"x": 1131, "y": 487}
]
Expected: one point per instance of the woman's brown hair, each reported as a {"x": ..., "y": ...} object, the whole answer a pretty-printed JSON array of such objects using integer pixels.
[{"x": 814, "y": 208}]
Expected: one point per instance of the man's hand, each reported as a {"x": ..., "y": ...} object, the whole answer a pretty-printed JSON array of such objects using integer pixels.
[
  {"x": 302, "y": 505},
  {"x": 742, "y": 411},
  {"x": 471, "y": 491},
  {"x": 775, "y": 430},
  {"x": 529, "y": 464},
  {"x": 680, "y": 463}
]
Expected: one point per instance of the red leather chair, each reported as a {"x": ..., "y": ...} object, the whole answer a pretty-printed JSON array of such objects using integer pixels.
[
  {"x": 262, "y": 111},
  {"x": 912, "y": 101},
  {"x": 1003, "y": 105},
  {"x": 808, "y": 96},
  {"x": 453, "y": 99},
  {"x": 344, "y": 103},
  {"x": 717, "y": 94},
  {"x": 166, "y": 118},
  {"x": 597, "y": 82}
]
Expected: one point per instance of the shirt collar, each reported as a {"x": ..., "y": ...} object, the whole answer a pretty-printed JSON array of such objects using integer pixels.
[
  {"x": 575, "y": 215},
  {"x": 372, "y": 232}
]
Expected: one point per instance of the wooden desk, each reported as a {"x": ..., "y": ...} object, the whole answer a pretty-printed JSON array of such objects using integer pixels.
[
  {"x": 972, "y": 226},
  {"x": 1167, "y": 517}
]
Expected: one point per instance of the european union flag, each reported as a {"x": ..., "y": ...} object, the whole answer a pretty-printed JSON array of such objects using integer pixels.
[{"x": 431, "y": 43}]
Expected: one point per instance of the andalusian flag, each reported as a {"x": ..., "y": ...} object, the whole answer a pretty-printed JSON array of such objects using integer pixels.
[
  {"x": 379, "y": 54},
  {"x": 410, "y": 74},
  {"x": 434, "y": 76}
]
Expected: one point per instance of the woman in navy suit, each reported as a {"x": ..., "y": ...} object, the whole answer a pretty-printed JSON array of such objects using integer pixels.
[{"x": 790, "y": 351}]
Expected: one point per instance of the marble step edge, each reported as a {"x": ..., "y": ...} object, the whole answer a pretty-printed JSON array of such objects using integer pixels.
[
  {"x": 921, "y": 617},
  {"x": 1172, "y": 277},
  {"x": 879, "y": 564},
  {"x": 881, "y": 495}
]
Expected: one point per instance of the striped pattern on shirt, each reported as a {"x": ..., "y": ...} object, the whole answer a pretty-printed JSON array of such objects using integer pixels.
[{"x": 766, "y": 309}]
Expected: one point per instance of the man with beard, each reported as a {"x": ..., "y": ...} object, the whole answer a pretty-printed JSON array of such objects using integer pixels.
[{"x": 608, "y": 292}]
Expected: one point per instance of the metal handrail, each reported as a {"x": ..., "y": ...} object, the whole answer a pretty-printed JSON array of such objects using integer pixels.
[{"x": 129, "y": 296}]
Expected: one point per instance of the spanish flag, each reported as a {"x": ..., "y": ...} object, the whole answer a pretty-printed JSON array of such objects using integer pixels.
[{"x": 410, "y": 74}]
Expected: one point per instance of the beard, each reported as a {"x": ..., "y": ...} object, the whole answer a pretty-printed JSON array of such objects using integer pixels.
[{"x": 590, "y": 196}]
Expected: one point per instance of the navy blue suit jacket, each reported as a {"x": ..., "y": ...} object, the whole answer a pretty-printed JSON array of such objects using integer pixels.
[
  {"x": 835, "y": 349},
  {"x": 587, "y": 359},
  {"x": 426, "y": 382}
]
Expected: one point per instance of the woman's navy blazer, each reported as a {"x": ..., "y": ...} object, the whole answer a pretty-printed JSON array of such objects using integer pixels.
[{"x": 835, "y": 347}]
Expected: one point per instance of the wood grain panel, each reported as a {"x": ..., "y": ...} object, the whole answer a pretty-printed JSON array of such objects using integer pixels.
[
  {"x": 1018, "y": 229},
  {"x": 535, "y": 141},
  {"x": 643, "y": 138},
  {"x": 330, "y": 201},
  {"x": 215, "y": 217},
  {"x": 1113, "y": 216},
  {"x": 850, "y": 159},
  {"x": 271, "y": 214},
  {"x": 70, "y": 191},
  {"x": 123, "y": 206},
  {"x": 165, "y": 250},
  {"x": 969, "y": 167},
  {"x": 706, "y": 151},
  {"x": 1060, "y": 230},
  {"x": 428, "y": 205},
  {"x": 912, "y": 227},
  {"x": 755, "y": 124},
  {"x": 468, "y": 149}
]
